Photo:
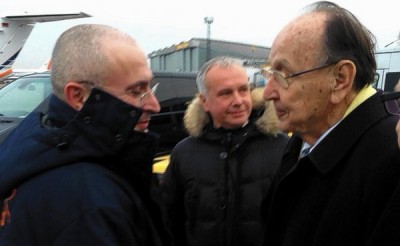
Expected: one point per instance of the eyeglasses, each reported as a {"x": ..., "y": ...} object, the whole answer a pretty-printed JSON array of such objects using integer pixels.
[
  {"x": 141, "y": 91},
  {"x": 153, "y": 91},
  {"x": 392, "y": 102},
  {"x": 281, "y": 78}
]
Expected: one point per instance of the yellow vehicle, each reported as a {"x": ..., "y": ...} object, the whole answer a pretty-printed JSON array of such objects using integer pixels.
[{"x": 160, "y": 164}]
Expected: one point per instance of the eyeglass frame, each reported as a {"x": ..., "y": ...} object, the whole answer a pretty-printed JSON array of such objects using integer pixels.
[
  {"x": 141, "y": 97},
  {"x": 270, "y": 72},
  {"x": 386, "y": 98}
]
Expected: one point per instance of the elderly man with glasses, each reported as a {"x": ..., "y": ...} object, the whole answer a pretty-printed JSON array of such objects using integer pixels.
[{"x": 341, "y": 166}]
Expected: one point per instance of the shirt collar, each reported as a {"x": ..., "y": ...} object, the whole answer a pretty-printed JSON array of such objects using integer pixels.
[{"x": 361, "y": 96}]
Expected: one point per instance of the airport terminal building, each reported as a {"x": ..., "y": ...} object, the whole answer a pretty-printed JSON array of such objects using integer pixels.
[{"x": 189, "y": 56}]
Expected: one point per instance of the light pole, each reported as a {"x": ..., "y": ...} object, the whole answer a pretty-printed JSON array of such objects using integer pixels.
[{"x": 208, "y": 21}]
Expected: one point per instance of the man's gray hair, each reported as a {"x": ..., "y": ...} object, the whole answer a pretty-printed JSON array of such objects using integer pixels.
[
  {"x": 79, "y": 55},
  {"x": 221, "y": 61}
]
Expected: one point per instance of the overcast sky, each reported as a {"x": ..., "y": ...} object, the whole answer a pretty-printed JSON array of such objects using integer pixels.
[{"x": 162, "y": 23}]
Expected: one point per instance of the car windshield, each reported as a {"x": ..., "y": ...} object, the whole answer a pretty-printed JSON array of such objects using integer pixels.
[{"x": 22, "y": 96}]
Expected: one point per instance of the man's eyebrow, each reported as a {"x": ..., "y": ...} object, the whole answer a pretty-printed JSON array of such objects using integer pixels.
[
  {"x": 139, "y": 83},
  {"x": 280, "y": 63},
  {"x": 225, "y": 90}
]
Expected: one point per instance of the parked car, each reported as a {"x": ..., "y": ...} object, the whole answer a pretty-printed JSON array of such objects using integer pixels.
[{"x": 20, "y": 97}]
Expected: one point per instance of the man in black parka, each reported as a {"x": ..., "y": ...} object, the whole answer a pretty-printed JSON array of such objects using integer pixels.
[{"x": 217, "y": 176}]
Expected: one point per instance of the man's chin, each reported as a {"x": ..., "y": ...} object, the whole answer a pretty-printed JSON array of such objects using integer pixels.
[
  {"x": 284, "y": 127},
  {"x": 141, "y": 128}
]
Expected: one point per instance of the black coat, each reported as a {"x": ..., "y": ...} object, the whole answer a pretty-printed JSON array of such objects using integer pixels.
[
  {"x": 215, "y": 182},
  {"x": 343, "y": 192},
  {"x": 81, "y": 178}
]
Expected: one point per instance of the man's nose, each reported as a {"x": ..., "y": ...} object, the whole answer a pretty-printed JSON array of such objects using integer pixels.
[
  {"x": 237, "y": 98},
  {"x": 151, "y": 104},
  {"x": 269, "y": 92}
]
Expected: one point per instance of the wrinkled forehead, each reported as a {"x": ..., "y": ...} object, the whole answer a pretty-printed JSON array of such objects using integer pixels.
[{"x": 301, "y": 40}]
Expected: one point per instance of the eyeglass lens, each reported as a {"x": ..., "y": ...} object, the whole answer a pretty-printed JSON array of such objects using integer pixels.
[
  {"x": 281, "y": 79},
  {"x": 393, "y": 106},
  {"x": 278, "y": 76},
  {"x": 154, "y": 88},
  {"x": 153, "y": 91}
]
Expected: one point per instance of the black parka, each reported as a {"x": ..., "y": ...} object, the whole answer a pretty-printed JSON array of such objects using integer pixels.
[{"x": 216, "y": 178}]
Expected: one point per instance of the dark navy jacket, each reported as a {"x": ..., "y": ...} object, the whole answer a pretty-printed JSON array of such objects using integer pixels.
[{"x": 81, "y": 178}]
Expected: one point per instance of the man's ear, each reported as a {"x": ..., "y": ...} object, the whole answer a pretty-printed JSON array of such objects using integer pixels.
[
  {"x": 203, "y": 102},
  {"x": 343, "y": 79},
  {"x": 75, "y": 94}
]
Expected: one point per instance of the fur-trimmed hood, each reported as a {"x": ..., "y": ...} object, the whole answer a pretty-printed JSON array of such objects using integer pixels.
[{"x": 196, "y": 118}]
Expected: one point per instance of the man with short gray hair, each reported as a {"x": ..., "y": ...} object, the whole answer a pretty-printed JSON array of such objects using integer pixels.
[
  {"x": 217, "y": 176},
  {"x": 81, "y": 174}
]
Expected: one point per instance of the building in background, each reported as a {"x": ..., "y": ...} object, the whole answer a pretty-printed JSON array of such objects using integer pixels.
[
  {"x": 190, "y": 55},
  {"x": 388, "y": 68}
]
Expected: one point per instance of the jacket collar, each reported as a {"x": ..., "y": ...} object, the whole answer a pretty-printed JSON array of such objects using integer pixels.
[{"x": 104, "y": 123}]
